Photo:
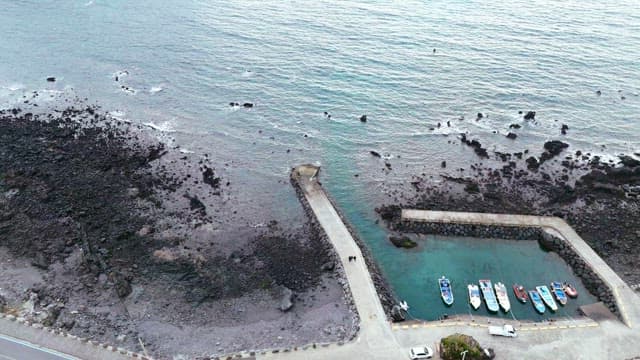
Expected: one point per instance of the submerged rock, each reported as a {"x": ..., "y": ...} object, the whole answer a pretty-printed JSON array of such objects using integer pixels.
[
  {"x": 530, "y": 115},
  {"x": 375, "y": 153},
  {"x": 51, "y": 79},
  {"x": 363, "y": 118},
  {"x": 511, "y": 136},
  {"x": 402, "y": 242}
]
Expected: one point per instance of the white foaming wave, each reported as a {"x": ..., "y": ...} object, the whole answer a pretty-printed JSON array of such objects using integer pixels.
[
  {"x": 165, "y": 126},
  {"x": 186, "y": 151},
  {"x": 119, "y": 115},
  {"x": 155, "y": 89},
  {"x": 89, "y": 3},
  {"x": 247, "y": 73},
  {"x": 14, "y": 87}
]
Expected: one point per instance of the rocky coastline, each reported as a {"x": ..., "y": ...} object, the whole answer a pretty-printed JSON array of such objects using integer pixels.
[
  {"x": 110, "y": 234},
  {"x": 599, "y": 199}
]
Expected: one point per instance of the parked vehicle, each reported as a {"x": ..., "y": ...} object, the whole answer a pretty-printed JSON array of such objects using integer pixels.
[
  {"x": 505, "y": 330},
  {"x": 420, "y": 352}
]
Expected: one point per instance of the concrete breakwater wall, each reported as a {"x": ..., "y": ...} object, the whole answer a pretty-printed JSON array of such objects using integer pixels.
[
  {"x": 592, "y": 282},
  {"x": 317, "y": 228},
  {"x": 383, "y": 289}
]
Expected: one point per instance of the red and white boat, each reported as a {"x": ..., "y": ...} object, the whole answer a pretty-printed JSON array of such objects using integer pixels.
[
  {"x": 520, "y": 292},
  {"x": 570, "y": 290}
]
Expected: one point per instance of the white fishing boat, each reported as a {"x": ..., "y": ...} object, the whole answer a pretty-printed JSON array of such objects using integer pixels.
[
  {"x": 503, "y": 297},
  {"x": 546, "y": 296},
  {"x": 445, "y": 290},
  {"x": 474, "y": 296},
  {"x": 489, "y": 295},
  {"x": 404, "y": 306}
]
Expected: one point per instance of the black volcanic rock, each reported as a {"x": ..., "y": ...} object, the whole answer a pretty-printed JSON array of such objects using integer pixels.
[
  {"x": 363, "y": 118},
  {"x": 51, "y": 79},
  {"x": 375, "y": 153},
  {"x": 530, "y": 115},
  {"x": 555, "y": 147},
  {"x": 532, "y": 163},
  {"x": 511, "y": 136},
  {"x": 402, "y": 242},
  {"x": 628, "y": 161}
]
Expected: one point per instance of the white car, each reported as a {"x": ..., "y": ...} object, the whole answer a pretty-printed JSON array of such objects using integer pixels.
[{"x": 420, "y": 352}]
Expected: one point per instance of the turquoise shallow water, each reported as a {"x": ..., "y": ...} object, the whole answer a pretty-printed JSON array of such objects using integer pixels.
[
  {"x": 414, "y": 273},
  {"x": 295, "y": 60}
]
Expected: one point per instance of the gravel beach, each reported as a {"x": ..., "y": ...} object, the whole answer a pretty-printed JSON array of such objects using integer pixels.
[{"x": 112, "y": 235}]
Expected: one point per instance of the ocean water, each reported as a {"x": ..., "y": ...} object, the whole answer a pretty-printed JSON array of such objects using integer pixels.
[{"x": 183, "y": 62}]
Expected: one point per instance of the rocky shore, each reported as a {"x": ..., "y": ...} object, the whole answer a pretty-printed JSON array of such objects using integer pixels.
[
  {"x": 599, "y": 199},
  {"x": 112, "y": 235}
]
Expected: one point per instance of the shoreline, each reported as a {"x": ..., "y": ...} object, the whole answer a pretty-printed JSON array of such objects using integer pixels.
[{"x": 169, "y": 263}]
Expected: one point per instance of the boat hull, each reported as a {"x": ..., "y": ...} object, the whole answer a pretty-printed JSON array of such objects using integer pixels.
[
  {"x": 474, "y": 296},
  {"x": 546, "y": 296},
  {"x": 489, "y": 296},
  {"x": 445, "y": 291},
  {"x": 570, "y": 290},
  {"x": 536, "y": 301},
  {"x": 520, "y": 293},
  {"x": 558, "y": 292},
  {"x": 503, "y": 297}
]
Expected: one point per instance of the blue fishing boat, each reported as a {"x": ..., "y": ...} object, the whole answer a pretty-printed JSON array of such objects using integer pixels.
[
  {"x": 536, "y": 301},
  {"x": 489, "y": 295},
  {"x": 445, "y": 290},
  {"x": 558, "y": 292},
  {"x": 545, "y": 294}
]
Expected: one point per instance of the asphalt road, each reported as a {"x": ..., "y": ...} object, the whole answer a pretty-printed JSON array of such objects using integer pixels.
[{"x": 15, "y": 349}]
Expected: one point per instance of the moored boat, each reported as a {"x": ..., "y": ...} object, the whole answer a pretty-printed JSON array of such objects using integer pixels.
[
  {"x": 489, "y": 296},
  {"x": 520, "y": 292},
  {"x": 445, "y": 290},
  {"x": 556, "y": 289},
  {"x": 503, "y": 297},
  {"x": 570, "y": 290},
  {"x": 546, "y": 296},
  {"x": 474, "y": 296},
  {"x": 536, "y": 301}
]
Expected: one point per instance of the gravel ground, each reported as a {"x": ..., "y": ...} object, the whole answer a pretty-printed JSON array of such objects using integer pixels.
[{"x": 110, "y": 234}]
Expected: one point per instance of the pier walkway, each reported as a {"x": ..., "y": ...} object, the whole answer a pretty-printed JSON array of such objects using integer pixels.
[{"x": 375, "y": 339}]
